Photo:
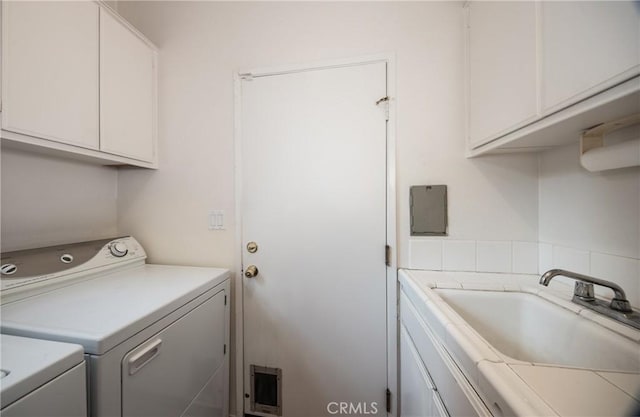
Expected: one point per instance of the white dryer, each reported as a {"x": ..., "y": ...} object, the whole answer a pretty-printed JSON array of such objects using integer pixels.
[
  {"x": 155, "y": 337},
  {"x": 41, "y": 378}
]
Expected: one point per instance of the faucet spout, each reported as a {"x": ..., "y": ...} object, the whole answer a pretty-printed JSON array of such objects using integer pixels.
[{"x": 584, "y": 288}]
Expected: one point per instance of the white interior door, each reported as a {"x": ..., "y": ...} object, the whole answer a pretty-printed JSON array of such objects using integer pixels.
[{"x": 313, "y": 199}]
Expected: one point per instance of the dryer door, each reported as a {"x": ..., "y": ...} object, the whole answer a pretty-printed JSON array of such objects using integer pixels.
[{"x": 163, "y": 375}]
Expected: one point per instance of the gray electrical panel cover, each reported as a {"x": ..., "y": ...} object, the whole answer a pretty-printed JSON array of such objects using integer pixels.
[{"x": 428, "y": 210}]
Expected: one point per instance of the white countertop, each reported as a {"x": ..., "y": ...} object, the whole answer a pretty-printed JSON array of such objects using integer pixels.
[{"x": 550, "y": 389}]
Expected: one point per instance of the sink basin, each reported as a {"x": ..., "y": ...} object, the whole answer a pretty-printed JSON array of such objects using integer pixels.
[{"x": 528, "y": 328}]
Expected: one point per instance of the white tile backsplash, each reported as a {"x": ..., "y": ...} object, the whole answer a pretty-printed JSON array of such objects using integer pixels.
[
  {"x": 493, "y": 256},
  {"x": 425, "y": 254},
  {"x": 459, "y": 255},
  {"x": 475, "y": 256},
  {"x": 520, "y": 257},
  {"x": 524, "y": 257}
]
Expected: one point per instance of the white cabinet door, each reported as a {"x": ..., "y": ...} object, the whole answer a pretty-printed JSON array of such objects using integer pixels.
[
  {"x": 416, "y": 390},
  {"x": 502, "y": 74},
  {"x": 439, "y": 410},
  {"x": 50, "y": 70},
  {"x": 586, "y": 48},
  {"x": 127, "y": 91}
]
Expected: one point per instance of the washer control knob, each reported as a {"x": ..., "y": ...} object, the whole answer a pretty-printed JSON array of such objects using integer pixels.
[
  {"x": 8, "y": 269},
  {"x": 67, "y": 258},
  {"x": 118, "y": 249}
]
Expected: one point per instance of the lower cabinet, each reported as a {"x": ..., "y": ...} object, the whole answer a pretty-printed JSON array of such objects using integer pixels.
[
  {"x": 418, "y": 395},
  {"x": 431, "y": 384}
]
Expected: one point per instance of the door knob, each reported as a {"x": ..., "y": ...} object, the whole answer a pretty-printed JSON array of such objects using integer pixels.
[{"x": 251, "y": 271}]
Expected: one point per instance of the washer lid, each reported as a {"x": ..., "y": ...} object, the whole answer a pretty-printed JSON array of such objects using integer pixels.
[
  {"x": 30, "y": 363},
  {"x": 103, "y": 312}
]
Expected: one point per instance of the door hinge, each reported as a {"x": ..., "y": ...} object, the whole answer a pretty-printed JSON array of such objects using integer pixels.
[
  {"x": 224, "y": 350},
  {"x": 225, "y": 300},
  {"x": 388, "y": 400},
  {"x": 387, "y": 255}
]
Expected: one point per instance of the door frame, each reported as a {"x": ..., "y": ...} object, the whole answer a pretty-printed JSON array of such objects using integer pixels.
[{"x": 392, "y": 270}]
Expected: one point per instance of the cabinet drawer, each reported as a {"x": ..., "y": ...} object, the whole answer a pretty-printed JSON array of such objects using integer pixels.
[{"x": 458, "y": 395}]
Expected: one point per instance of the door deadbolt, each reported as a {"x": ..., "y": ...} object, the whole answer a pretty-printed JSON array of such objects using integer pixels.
[
  {"x": 251, "y": 271},
  {"x": 252, "y": 247}
]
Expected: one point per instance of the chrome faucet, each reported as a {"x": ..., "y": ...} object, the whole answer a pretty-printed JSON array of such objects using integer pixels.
[
  {"x": 619, "y": 308},
  {"x": 584, "y": 288}
]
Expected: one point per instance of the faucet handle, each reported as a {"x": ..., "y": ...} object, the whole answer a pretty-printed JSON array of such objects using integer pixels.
[
  {"x": 584, "y": 291},
  {"x": 621, "y": 305}
]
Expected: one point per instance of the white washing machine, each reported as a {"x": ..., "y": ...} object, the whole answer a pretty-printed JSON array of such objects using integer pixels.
[
  {"x": 155, "y": 337},
  {"x": 41, "y": 378}
]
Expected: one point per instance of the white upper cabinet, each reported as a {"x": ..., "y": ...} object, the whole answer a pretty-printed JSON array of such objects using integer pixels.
[
  {"x": 539, "y": 73},
  {"x": 501, "y": 53},
  {"x": 50, "y": 71},
  {"x": 127, "y": 91},
  {"x": 77, "y": 81},
  {"x": 587, "y": 47}
]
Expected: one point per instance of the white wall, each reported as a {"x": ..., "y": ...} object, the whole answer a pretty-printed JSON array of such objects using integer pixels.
[
  {"x": 590, "y": 222},
  {"x": 203, "y": 43},
  {"x": 47, "y": 201}
]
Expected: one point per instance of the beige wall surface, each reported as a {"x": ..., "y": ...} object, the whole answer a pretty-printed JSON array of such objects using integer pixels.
[
  {"x": 594, "y": 211},
  {"x": 47, "y": 201},
  {"x": 202, "y": 44},
  {"x": 590, "y": 221}
]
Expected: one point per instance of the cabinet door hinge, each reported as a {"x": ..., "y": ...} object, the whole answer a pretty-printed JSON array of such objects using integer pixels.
[
  {"x": 388, "y": 400},
  {"x": 224, "y": 350},
  {"x": 387, "y": 255},
  {"x": 225, "y": 300}
]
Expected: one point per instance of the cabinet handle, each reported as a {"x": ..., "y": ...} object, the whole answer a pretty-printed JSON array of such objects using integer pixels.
[{"x": 140, "y": 359}]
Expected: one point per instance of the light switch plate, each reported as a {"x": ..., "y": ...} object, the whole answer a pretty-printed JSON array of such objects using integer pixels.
[{"x": 216, "y": 220}]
